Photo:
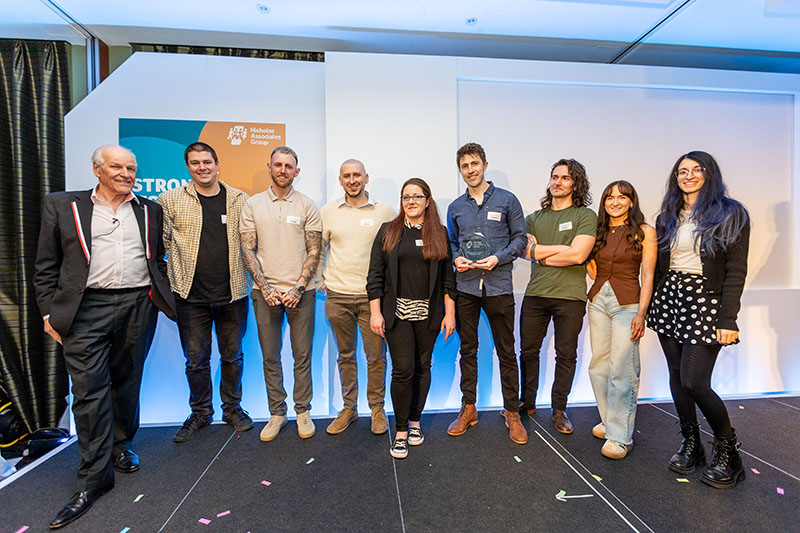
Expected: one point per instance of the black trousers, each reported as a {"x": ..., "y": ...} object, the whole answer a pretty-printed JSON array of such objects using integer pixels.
[
  {"x": 195, "y": 321},
  {"x": 104, "y": 353},
  {"x": 410, "y": 346},
  {"x": 534, "y": 318},
  {"x": 500, "y": 313}
]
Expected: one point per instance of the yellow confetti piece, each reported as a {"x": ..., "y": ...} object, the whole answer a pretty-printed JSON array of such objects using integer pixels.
[
  {"x": 681, "y": 480},
  {"x": 598, "y": 478}
]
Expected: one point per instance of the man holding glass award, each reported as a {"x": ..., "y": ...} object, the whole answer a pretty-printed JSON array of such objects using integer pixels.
[{"x": 486, "y": 227}]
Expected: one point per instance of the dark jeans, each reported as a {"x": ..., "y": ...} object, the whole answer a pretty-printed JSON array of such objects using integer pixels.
[
  {"x": 567, "y": 316},
  {"x": 195, "y": 321},
  {"x": 500, "y": 312},
  {"x": 270, "y": 335},
  {"x": 104, "y": 353},
  {"x": 690, "y": 367},
  {"x": 410, "y": 346}
]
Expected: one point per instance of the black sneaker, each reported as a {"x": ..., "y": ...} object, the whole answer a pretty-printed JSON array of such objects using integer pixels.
[
  {"x": 191, "y": 427},
  {"x": 399, "y": 449},
  {"x": 238, "y": 418},
  {"x": 415, "y": 436}
]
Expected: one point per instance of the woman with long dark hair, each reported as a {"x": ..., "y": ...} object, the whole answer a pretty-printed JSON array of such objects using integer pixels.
[
  {"x": 624, "y": 251},
  {"x": 411, "y": 290},
  {"x": 703, "y": 238}
]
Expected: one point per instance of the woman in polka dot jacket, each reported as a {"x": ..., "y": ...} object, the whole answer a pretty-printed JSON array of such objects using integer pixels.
[{"x": 703, "y": 237}]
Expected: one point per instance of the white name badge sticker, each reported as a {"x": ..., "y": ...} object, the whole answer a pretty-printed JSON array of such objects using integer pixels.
[
  {"x": 564, "y": 226},
  {"x": 367, "y": 222},
  {"x": 419, "y": 242},
  {"x": 292, "y": 219},
  {"x": 493, "y": 215},
  {"x": 224, "y": 219}
]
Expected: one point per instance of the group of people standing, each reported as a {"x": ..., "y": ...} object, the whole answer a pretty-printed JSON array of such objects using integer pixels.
[{"x": 400, "y": 278}]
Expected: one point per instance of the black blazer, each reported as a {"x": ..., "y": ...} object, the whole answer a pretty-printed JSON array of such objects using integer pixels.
[
  {"x": 724, "y": 275},
  {"x": 382, "y": 282},
  {"x": 62, "y": 263}
]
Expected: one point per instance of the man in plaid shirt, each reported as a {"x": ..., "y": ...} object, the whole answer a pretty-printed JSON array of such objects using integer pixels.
[{"x": 211, "y": 284}]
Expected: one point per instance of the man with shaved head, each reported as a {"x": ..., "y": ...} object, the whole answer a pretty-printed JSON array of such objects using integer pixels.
[
  {"x": 100, "y": 280},
  {"x": 349, "y": 225}
]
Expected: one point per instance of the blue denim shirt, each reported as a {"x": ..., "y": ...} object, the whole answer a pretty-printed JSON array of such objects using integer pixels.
[{"x": 501, "y": 220}]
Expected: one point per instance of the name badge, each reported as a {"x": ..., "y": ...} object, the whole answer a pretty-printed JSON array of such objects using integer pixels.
[
  {"x": 224, "y": 219},
  {"x": 367, "y": 222},
  {"x": 292, "y": 219},
  {"x": 564, "y": 226},
  {"x": 493, "y": 215},
  {"x": 419, "y": 242}
]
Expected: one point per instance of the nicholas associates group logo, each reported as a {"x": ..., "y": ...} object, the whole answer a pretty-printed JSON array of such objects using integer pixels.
[{"x": 237, "y": 134}]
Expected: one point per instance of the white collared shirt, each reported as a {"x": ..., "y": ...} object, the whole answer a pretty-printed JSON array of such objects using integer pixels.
[{"x": 118, "y": 254}]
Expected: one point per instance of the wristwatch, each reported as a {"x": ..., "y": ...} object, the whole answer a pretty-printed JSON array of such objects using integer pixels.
[{"x": 300, "y": 288}]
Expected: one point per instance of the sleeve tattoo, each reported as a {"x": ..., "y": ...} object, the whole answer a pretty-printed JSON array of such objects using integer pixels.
[
  {"x": 314, "y": 249},
  {"x": 251, "y": 262}
]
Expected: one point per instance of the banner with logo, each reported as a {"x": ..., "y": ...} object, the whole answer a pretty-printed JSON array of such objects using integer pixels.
[{"x": 243, "y": 150}]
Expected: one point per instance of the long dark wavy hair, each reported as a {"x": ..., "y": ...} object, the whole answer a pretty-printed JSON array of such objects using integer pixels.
[
  {"x": 434, "y": 236},
  {"x": 634, "y": 221},
  {"x": 718, "y": 218},
  {"x": 581, "y": 197}
]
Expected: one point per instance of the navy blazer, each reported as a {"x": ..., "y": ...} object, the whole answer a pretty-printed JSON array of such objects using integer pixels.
[
  {"x": 382, "y": 282},
  {"x": 64, "y": 254},
  {"x": 724, "y": 274}
]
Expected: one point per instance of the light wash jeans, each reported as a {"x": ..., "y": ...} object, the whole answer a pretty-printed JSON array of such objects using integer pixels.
[{"x": 614, "y": 370}]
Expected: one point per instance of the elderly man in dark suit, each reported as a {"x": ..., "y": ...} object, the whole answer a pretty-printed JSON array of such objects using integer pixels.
[{"x": 100, "y": 280}]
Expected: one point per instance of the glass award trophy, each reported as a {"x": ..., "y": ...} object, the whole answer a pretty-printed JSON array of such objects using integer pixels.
[{"x": 476, "y": 247}]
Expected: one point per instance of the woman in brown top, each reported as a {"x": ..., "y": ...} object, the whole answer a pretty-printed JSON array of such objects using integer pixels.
[{"x": 625, "y": 250}]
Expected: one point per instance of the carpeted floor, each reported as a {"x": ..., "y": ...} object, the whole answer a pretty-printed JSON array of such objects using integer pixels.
[{"x": 478, "y": 482}]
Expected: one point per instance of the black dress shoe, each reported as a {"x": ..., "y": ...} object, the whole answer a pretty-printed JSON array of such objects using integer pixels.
[
  {"x": 126, "y": 462},
  {"x": 77, "y": 506}
]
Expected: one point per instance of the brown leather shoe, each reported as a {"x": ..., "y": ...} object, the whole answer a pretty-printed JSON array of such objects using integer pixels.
[
  {"x": 515, "y": 428},
  {"x": 561, "y": 422},
  {"x": 467, "y": 416}
]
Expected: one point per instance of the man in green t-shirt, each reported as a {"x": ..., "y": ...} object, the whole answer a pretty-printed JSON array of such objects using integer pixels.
[{"x": 561, "y": 234}]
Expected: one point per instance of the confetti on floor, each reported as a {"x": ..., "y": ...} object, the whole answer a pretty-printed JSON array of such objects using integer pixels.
[
  {"x": 205, "y": 521},
  {"x": 23, "y": 529},
  {"x": 755, "y": 471},
  {"x": 125, "y": 530},
  {"x": 780, "y": 491},
  {"x": 598, "y": 478},
  {"x": 266, "y": 483},
  {"x": 223, "y": 513},
  {"x": 517, "y": 459},
  {"x": 139, "y": 497},
  {"x": 681, "y": 480},
  {"x": 310, "y": 461},
  {"x": 741, "y": 407}
]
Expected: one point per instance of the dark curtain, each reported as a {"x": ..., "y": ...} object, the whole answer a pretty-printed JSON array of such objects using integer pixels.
[{"x": 34, "y": 97}]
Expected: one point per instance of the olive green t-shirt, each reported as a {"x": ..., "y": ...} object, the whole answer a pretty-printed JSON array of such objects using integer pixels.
[{"x": 559, "y": 227}]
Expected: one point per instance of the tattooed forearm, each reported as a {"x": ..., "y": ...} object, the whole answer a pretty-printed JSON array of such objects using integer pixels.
[
  {"x": 251, "y": 262},
  {"x": 314, "y": 249}
]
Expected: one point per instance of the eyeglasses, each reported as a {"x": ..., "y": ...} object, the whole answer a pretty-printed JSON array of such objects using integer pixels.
[
  {"x": 695, "y": 172},
  {"x": 417, "y": 198}
]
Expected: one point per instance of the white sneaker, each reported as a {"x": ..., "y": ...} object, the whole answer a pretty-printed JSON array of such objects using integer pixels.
[
  {"x": 615, "y": 450},
  {"x": 415, "y": 436},
  {"x": 599, "y": 431},
  {"x": 305, "y": 427},
  {"x": 273, "y": 427}
]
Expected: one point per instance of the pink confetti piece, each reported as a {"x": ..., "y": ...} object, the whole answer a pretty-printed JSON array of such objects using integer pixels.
[
  {"x": 23, "y": 529},
  {"x": 223, "y": 513},
  {"x": 755, "y": 471},
  {"x": 780, "y": 491},
  {"x": 238, "y": 437},
  {"x": 205, "y": 521},
  {"x": 266, "y": 483}
]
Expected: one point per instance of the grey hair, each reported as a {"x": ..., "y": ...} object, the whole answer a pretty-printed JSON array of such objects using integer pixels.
[
  {"x": 285, "y": 150},
  {"x": 352, "y": 162},
  {"x": 99, "y": 160}
]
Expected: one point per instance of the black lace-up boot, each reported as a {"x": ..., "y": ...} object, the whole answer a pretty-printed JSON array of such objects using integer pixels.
[
  {"x": 726, "y": 467},
  {"x": 691, "y": 452}
]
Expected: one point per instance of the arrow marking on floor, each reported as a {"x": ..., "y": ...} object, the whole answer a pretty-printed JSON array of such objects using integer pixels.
[{"x": 562, "y": 496}]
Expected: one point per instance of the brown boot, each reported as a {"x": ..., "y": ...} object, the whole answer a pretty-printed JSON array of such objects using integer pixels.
[
  {"x": 561, "y": 422},
  {"x": 467, "y": 416},
  {"x": 515, "y": 428}
]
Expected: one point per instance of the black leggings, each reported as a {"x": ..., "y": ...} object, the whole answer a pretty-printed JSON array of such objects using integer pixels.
[{"x": 690, "y": 368}]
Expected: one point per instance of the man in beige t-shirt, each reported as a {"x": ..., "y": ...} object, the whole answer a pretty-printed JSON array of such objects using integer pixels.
[
  {"x": 349, "y": 228},
  {"x": 281, "y": 232}
]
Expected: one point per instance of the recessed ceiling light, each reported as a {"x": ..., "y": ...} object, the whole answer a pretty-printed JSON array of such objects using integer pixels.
[
  {"x": 471, "y": 21},
  {"x": 264, "y": 8}
]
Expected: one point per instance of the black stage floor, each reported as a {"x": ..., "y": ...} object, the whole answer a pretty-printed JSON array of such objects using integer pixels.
[{"x": 478, "y": 482}]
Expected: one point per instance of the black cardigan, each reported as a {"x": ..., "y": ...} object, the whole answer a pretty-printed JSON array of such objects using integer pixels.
[
  {"x": 724, "y": 275},
  {"x": 382, "y": 282}
]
